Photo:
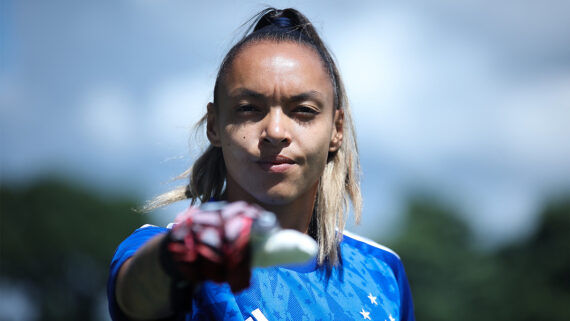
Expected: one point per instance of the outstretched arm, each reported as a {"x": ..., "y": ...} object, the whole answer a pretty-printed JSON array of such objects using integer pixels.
[
  {"x": 143, "y": 287},
  {"x": 160, "y": 270},
  {"x": 206, "y": 243}
]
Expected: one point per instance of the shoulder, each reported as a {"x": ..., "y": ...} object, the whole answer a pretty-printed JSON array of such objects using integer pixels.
[
  {"x": 370, "y": 248},
  {"x": 133, "y": 242},
  {"x": 366, "y": 242},
  {"x": 370, "y": 255},
  {"x": 144, "y": 233}
]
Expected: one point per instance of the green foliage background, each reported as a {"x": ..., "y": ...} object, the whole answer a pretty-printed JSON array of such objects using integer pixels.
[
  {"x": 451, "y": 279},
  {"x": 57, "y": 239}
]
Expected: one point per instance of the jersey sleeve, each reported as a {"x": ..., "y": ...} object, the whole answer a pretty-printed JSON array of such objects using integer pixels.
[
  {"x": 125, "y": 250},
  {"x": 406, "y": 302}
]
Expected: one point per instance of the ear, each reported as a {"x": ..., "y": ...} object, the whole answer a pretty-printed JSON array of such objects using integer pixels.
[
  {"x": 212, "y": 127},
  {"x": 338, "y": 130}
]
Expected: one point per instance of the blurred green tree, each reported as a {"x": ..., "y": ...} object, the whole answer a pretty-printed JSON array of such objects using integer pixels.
[
  {"x": 57, "y": 240},
  {"x": 537, "y": 271},
  {"x": 451, "y": 279}
]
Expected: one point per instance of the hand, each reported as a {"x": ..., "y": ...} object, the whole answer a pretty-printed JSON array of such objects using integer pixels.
[{"x": 211, "y": 242}]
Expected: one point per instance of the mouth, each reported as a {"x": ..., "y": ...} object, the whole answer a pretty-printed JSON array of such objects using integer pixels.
[{"x": 276, "y": 163}]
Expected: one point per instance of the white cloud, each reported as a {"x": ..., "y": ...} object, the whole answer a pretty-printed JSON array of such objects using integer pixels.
[
  {"x": 174, "y": 106},
  {"x": 535, "y": 126},
  {"x": 109, "y": 119}
]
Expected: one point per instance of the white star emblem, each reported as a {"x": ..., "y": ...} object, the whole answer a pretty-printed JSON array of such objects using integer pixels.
[
  {"x": 365, "y": 315},
  {"x": 372, "y": 299},
  {"x": 391, "y": 318}
]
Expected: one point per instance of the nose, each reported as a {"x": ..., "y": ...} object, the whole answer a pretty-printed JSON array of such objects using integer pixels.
[{"x": 276, "y": 129}]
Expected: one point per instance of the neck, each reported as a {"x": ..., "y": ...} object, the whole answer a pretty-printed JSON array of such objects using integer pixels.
[{"x": 295, "y": 215}]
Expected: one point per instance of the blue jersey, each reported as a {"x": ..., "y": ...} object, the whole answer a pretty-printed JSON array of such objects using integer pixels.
[{"x": 369, "y": 283}]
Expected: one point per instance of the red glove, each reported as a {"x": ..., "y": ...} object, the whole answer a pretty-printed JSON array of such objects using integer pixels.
[{"x": 211, "y": 242}]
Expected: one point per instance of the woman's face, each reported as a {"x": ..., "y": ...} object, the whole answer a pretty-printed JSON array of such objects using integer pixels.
[{"x": 275, "y": 123}]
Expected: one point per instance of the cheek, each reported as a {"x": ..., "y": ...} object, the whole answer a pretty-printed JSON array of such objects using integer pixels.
[
  {"x": 236, "y": 140},
  {"x": 238, "y": 134},
  {"x": 317, "y": 146},
  {"x": 319, "y": 137}
]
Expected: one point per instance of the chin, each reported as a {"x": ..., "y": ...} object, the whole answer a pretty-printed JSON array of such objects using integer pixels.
[{"x": 275, "y": 198}]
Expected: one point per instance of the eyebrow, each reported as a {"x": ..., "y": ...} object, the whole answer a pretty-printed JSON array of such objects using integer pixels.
[
  {"x": 246, "y": 93},
  {"x": 252, "y": 94},
  {"x": 309, "y": 95}
]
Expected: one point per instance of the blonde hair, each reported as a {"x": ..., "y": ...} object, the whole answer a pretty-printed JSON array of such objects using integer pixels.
[{"x": 339, "y": 185}]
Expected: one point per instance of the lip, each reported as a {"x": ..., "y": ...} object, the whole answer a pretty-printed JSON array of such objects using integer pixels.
[{"x": 276, "y": 163}]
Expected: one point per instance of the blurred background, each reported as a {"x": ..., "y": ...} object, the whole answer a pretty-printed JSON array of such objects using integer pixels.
[{"x": 463, "y": 122}]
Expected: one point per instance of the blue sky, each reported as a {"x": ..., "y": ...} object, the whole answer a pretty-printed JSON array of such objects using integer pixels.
[{"x": 468, "y": 100}]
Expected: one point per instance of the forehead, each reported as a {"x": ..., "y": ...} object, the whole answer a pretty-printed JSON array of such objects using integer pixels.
[{"x": 270, "y": 66}]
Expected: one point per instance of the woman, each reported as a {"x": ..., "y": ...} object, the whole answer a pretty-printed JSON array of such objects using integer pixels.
[{"x": 281, "y": 138}]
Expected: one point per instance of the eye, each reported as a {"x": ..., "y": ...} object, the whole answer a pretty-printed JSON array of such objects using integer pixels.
[
  {"x": 246, "y": 108},
  {"x": 305, "y": 112}
]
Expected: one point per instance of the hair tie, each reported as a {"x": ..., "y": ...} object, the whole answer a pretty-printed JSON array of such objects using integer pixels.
[{"x": 282, "y": 22}]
